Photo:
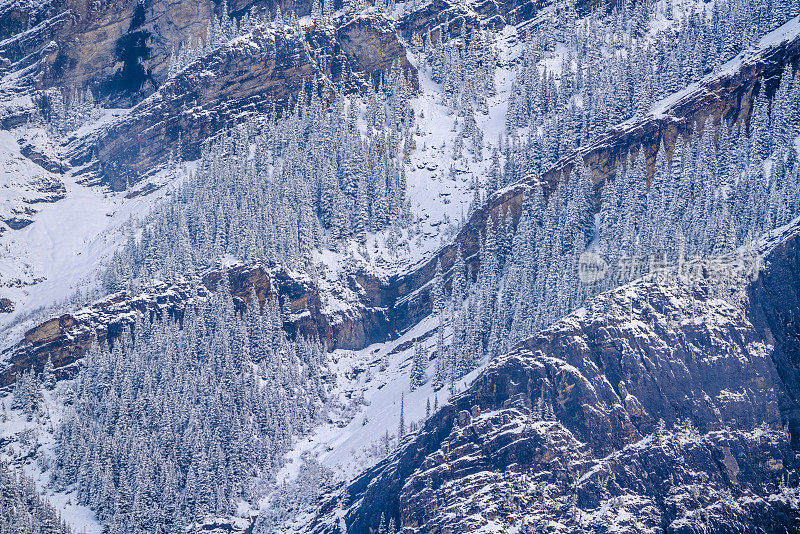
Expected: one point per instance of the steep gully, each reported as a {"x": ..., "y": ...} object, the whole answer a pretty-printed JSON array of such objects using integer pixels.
[{"x": 384, "y": 307}]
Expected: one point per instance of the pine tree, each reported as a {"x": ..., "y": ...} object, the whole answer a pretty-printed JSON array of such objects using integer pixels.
[
  {"x": 387, "y": 443},
  {"x": 401, "y": 428},
  {"x": 48, "y": 374},
  {"x": 459, "y": 283},
  {"x": 495, "y": 178},
  {"x": 437, "y": 289},
  {"x": 419, "y": 365}
]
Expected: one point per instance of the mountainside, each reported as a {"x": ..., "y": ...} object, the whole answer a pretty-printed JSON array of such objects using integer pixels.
[
  {"x": 392, "y": 267},
  {"x": 660, "y": 406},
  {"x": 402, "y": 300},
  {"x": 720, "y": 98},
  {"x": 248, "y": 75},
  {"x": 121, "y": 48},
  {"x": 342, "y": 321}
]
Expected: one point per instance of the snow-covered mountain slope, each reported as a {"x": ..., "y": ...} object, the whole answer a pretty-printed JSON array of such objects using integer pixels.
[
  {"x": 726, "y": 95},
  {"x": 440, "y": 189},
  {"x": 332, "y": 310},
  {"x": 356, "y": 213},
  {"x": 658, "y": 406},
  {"x": 28, "y": 446},
  {"x": 372, "y": 383},
  {"x": 238, "y": 79},
  {"x": 27, "y": 183},
  {"x": 62, "y": 246}
]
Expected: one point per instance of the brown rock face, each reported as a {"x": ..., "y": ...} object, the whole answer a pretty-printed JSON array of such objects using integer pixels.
[
  {"x": 66, "y": 339},
  {"x": 119, "y": 48},
  {"x": 244, "y": 77},
  {"x": 239, "y": 79},
  {"x": 372, "y": 45}
]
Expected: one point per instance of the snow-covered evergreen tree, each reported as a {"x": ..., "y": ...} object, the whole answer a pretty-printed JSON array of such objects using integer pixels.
[
  {"x": 179, "y": 421},
  {"x": 419, "y": 365}
]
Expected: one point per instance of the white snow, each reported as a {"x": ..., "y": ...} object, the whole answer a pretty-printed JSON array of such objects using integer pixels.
[
  {"x": 61, "y": 251},
  {"x": 440, "y": 199},
  {"x": 347, "y": 446}
]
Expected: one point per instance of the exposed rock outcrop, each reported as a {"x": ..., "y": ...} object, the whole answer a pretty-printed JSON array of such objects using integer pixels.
[
  {"x": 447, "y": 18},
  {"x": 350, "y": 324},
  {"x": 118, "y": 48},
  {"x": 236, "y": 80},
  {"x": 6, "y": 306},
  {"x": 671, "y": 409},
  {"x": 247, "y": 76},
  {"x": 371, "y": 46},
  {"x": 27, "y": 178}
]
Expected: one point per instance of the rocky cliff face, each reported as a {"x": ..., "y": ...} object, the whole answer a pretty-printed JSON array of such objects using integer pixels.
[
  {"x": 118, "y": 48},
  {"x": 201, "y": 99},
  {"x": 447, "y": 18},
  {"x": 67, "y": 338},
  {"x": 665, "y": 409},
  {"x": 30, "y": 178},
  {"x": 248, "y": 75},
  {"x": 240, "y": 78},
  {"x": 774, "y": 308}
]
